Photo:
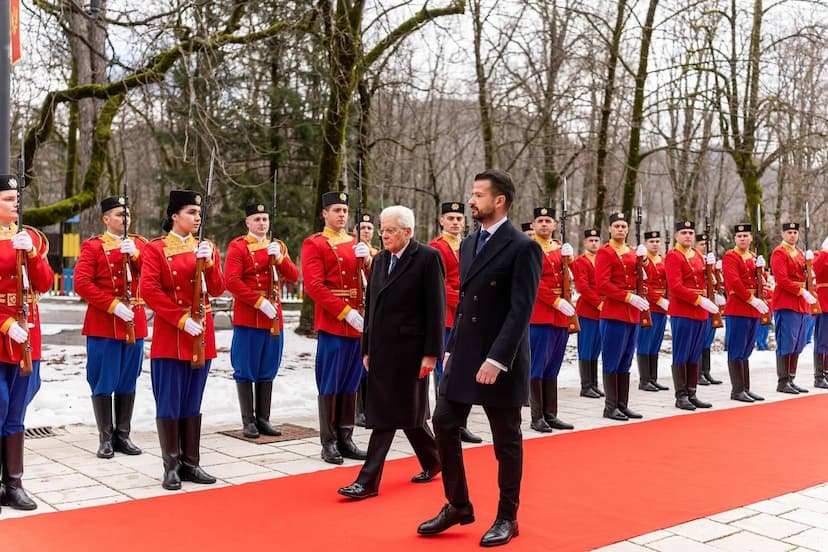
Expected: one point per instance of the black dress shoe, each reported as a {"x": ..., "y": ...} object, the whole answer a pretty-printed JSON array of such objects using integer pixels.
[
  {"x": 598, "y": 390},
  {"x": 195, "y": 474},
  {"x": 754, "y": 396},
  {"x": 105, "y": 449},
  {"x": 426, "y": 475},
  {"x": 330, "y": 453},
  {"x": 589, "y": 393},
  {"x": 798, "y": 388},
  {"x": 448, "y": 516},
  {"x": 250, "y": 430},
  {"x": 501, "y": 532},
  {"x": 468, "y": 437},
  {"x": 540, "y": 426},
  {"x": 17, "y": 499},
  {"x": 556, "y": 423},
  {"x": 659, "y": 386},
  {"x": 615, "y": 414},
  {"x": 698, "y": 403},
  {"x": 348, "y": 449},
  {"x": 684, "y": 403},
  {"x": 171, "y": 480},
  {"x": 357, "y": 491},
  {"x": 124, "y": 445},
  {"x": 266, "y": 428},
  {"x": 647, "y": 386}
]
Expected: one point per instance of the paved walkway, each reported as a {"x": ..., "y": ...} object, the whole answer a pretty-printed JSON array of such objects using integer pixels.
[{"x": 62, "y": 472}]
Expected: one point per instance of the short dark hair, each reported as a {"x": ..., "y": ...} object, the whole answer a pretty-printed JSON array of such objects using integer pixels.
[{"x": 501, "y": 183}]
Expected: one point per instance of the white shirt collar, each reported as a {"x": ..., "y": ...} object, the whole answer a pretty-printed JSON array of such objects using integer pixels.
[
  {"x": 493, "y": 228},
  {"x": 399, "y": 253}
]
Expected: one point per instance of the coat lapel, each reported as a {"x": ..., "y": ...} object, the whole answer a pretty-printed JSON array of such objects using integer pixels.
[
  {"x": 402, "y": 264},
  {"x": 496, "y": 243}
]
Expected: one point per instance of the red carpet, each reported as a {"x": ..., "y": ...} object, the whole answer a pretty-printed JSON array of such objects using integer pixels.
[{"x": 580, "y": 491}]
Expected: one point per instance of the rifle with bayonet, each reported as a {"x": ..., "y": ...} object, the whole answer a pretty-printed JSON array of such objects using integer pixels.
[
  {"x": 640, "y": 270},
  {"x": 760, "y": 271},
  {"x": 197, "y": 308},
  {"x": 274, "y": 288},
  {"x": 720, "y": 285},
  {"x": 809, "y": 264},
  {"x": 22, "y": 269},
  {"x": 710, "y": 279},
  {"x": 363, "y": 280},
  {"x": 126, "y": 265},
  {"x": 566, "y": 281}
]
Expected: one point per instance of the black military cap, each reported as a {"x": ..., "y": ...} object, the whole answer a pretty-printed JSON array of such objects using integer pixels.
[
  {"x": 526, "y": 226},
  {"x": 544, "y": 212},
  {"x": 702, "y": 237},
  {"x": 452, "y": 207},
  {"x": 616, "y": 216},
  {"x": 8, "y": 182},
  {"x": 685, "y": 225},
  {"x": 255, "y": 209},
  {"x": 742, "y": 227},
  {"x": 652, "y": 234},
  {"x": 369, "y": 218},
  {"x": 790, "y": 226},
  {"x": 592, "y": 233},
  {"x": 180, "y": 198},
  {"x": 112, "y": 202},
  {"x": 333, "y": 198}
]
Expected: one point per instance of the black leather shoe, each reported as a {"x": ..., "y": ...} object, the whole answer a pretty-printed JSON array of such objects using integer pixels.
[
  {"x": 754, "y": 396},
  {"x": 615, "y": 414},
  {"x": 171, "y": 481},
  {"x": 348, "y": 449},
  {"x": 468, "y": 437},
  {"x": 798, "y": 388},
  {"x": 195, "y": 474},
  {"x": 501, "y": 532},
  {"x": 17, "y": 499},
  {"x": 659, "y": 386},
  {"x": 647, "y": 386},
  {"x": 598, "y": 390},
  {"x": 741, "y": 396},
  {"x": 266, "y": 428},
  {"x": 426, "y": 475},
  {"x": 448, "y": 516},
  {"x": 589, "y": 393},
  {"x": 684, "y": 403},
  {"x": 250, "y": 430},
  {"x": 105, "y": 449},
  {"x": 703, "y": 380},
  {"x": 556, "y": 423},
  {"x": 699, "y": 403},
  {"x": 785, "y": 387},
  {"x": 124, "y": 445},
  {"x": 330, "y": 453},
  {"x": 357, "y": 491},
  {"x": 629, "y": 413},
  {"x": 540, "y": 426}
]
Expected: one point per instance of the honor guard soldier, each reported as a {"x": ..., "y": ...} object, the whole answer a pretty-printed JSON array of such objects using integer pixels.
[
  {"x": 17, "y": 387},
  {"x": 649, "y": 339},
  {"x": 821, "y": 328},
  {"x": 254, "y": 265},
  {"x": 588, "y": 308},
  {"x": 452, "y": 221},
  {"x": 548, "y": 327},
  {"x": 331, "y": 262},
  {"x": 705, "y": 377},
  {"x": 743, "y": 310},
  {"x": 366, "y": 235},
  {"x": 791, "y": 306},
  {"x": 107, "y": 278},
  {"x": 615, "y": 279},
  {"x": 689, "y": 311},
  {"x": 169, "y": 284},
  {"x": 526, "y": 228}
]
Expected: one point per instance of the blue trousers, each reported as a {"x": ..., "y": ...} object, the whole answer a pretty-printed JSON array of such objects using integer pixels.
[
  {"x": 438, "y": 368},
  {"x": 112, "y": 366},
  {"x": 255, "y": 355},
  {"x": 762, "y": 337},
  {"x": 791, "y": 328},
  {"x": 821, "y": 334},
  {"x": 177, "y": 387},
  {"x": 338, "y": 364},
  {"x": 547, "y": 344},
  {"x": 617, "y": 345},
  {"x": 740, "y": 336},
  {"x": 589, "y": 339},
  {"x": 16, "y": 392},
  {"x": 649, "y": 339},
  {"x": 688, "y": 339}
]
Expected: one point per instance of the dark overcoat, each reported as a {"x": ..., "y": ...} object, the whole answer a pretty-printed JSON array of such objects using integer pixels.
[
  {"x": 405, "y": 314},
  {"x": 497, "y": 294}
]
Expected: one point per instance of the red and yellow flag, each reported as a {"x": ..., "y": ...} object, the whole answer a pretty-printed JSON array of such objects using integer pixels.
[{"x": 14, "y": 6}]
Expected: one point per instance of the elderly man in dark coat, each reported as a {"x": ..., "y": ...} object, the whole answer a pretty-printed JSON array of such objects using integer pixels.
[{"x": 405, "y": 310}]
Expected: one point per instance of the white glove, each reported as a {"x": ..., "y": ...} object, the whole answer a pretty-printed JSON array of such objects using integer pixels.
[
  {"x": 124, "y": 312},
  {"x": 566, "y": 250},
  {"x": 809, "y": 297},
  {"x": 128, "y": 247},
  {"x": 22, "y": 240},
  {"x": 565, "y": 307},
  {"x": 268, "y": 309},
  {"x": 639, "y": 302},
  {"x": 204, "y": 251},
  {"x": 709, "y": 305},
  {"x": 361, "y": 251},
  {"x": 354, "y": 319},
  {"x": 809, "y": 255},
  {"x": 720, "y": 300},
  {"x": 663, "y": 303},
  {"x": 759, "y": 305},
  {"x": 710, "y": 259},
  {"x": 192, "y": 327},
  {"x": 759, "y": 262},
  {"x": 273, "y": 248},
  {"x": 640, "y": 250},
  {"x": 18, "y": 334},
  {"x": 719, "y": 264}
]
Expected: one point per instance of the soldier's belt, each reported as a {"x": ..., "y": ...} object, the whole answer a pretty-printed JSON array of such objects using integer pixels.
[
  {"x": 352, "y": 293},
  {"x": 134, "y": 301},
  {"x": 207, "y": 308},
  {"x": 822, "y": 285},
  {"x": 10, "y": 299}
]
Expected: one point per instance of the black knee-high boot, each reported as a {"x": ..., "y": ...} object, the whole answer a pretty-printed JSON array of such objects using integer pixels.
[
  {"x": 170, "y": 442},
  {"x": 585, "y": 370},
  {"x": 611, "y": 410},
  {"x": 737, "y": 392},
  {"x": 538, "y": 423},
  {"x": 550, "y": 405},
  {"x": 13, "y": 494},
  {"x": 245, "y": 392},
  {"x": 190, "y": 469},
  {"x": 102, "y": 407},
  {"x": 680, "y": 383},
  {"x": 264, "y": 396},
  {"x": 644, "y": 376},
  {"x": 124, "y": 406}
]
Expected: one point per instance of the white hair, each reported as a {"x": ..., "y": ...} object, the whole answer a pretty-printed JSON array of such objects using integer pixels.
[{"x": 403, "y": 215}]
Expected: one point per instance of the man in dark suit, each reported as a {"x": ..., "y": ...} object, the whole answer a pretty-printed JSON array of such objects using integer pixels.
[
  {"x": 487, "y": 355},
  {"x": 405, "y": 312}
]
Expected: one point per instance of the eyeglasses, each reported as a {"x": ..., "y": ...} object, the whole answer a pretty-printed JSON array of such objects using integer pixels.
[{"x": 388, "y": 231}]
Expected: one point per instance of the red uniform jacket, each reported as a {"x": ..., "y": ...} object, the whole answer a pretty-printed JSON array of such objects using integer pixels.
[
  {"x": 41, "y": 279},
  {"x": 100, "y": 281},
  {"x": 329, "y": 270},
  {"x": 247, "y": 276},
  {"x": 821, "y": 276},
  {"x": 615, "y": 277},
  {"x": 449, "y": 248},
  {"x": 167, "y": 280},
  {"x": 589, "y": 302},
  {"x": 549, "y": 288},
  {"x": 656, "y": 282},
  {"x": 788, "y": 267},
  {"x": 739, "y": 273},
  {"x": 684, "y": 269}
]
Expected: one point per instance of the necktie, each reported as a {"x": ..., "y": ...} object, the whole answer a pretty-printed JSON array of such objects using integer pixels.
[
  {"x": 481, "y": 241},
  {"x": 391, "y": 266}
]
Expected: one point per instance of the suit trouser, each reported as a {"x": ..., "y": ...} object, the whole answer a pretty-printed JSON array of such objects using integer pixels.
[
  {"x": 449, "y": 417},
  {"x": 421, "y": 439}
]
